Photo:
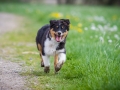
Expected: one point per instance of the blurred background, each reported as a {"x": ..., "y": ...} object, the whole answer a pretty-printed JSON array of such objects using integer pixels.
[
  {"x": 75, "y": 2},
  {"x": 93, "y": 43}
]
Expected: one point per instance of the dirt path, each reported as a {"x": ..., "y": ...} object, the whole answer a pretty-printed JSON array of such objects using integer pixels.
[{"x": 9, "y": 71}]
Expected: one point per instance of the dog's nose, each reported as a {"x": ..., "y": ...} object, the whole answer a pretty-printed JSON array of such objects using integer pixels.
[{"x": 59, "y": 33}]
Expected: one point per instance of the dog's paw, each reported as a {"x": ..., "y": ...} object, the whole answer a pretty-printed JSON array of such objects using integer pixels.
[
  {"x": 58, "y": 67},
  {"x": 42, "y": 64},
  {"x": 47, "y": 69}
]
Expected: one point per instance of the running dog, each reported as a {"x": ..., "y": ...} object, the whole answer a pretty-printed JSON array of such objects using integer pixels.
[{"x": 51, "y": 41}]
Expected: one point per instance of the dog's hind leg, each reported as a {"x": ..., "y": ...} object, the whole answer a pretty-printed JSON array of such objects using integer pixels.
[
  {"x": 40, "y": 49},
  {"x": 42, "y": 63}
]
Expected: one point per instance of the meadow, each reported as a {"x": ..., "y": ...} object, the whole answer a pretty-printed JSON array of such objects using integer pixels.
[{"x": 93, "y": 46}]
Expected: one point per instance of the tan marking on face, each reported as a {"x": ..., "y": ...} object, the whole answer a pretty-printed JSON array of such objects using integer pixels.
[
  {"x": 65, "y": 34},
  {"x": 55, "y": 60},
  {"x": 52, "y": 33}
]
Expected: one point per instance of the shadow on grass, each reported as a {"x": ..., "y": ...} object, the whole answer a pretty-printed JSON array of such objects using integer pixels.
[{"x": 37, "y": 73}]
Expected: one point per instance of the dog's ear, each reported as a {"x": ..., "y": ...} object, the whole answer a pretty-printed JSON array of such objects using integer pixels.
[
  {"x": 66, "y": 21},
  {"x": 52, "y": 22}
]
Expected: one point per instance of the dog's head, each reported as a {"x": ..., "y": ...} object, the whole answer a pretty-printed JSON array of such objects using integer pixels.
[{"x": 59, "y": 29}]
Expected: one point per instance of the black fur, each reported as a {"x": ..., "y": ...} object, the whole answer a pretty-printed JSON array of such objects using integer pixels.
[
  {"x": 41, "y": 36},
  {"x": 51, "y": 40},
  {"x": 44, "y": 32}
]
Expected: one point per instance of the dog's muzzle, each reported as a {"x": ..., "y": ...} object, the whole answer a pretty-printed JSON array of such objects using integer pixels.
[{"x": 58, "y": 36}]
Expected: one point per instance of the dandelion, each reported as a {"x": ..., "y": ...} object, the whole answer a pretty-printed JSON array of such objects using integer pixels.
[
  {"x": 71, "y": 26},
  {"x": 80, "y": 30},
  {"x": 114, "y": 17},
  {"x": 56, "y": 15},
  {"x": 79, "y": 25}
]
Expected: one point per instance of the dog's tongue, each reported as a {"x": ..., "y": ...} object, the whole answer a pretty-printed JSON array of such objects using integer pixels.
[{"x": 58, "y": 39}]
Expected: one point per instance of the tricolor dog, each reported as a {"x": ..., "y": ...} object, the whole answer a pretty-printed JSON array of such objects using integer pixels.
[{"x": 51, "y": 41}]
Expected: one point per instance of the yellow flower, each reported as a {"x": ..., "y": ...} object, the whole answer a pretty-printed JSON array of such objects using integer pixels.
[
  {"x": 76, "y": 28},
  {"x": 79, "y": 30},
  {"x": 71, "y": 26},
  {"x": 79, "y": 25},
  {"x": 56, "y": 15}
]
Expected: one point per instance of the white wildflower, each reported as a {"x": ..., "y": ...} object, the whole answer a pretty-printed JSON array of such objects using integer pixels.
[
  {"x": 116, "y": 36},
  {"x": 93, "y": 27},
  {"x": 114, "y": 28},
  {"x": 100, "y": 27},
  {"x": 99, "y": 18},
  {"x": 101, "y": 39},
  {"x": 110, "y": 41},
  {"x": 106, "y": 27}
]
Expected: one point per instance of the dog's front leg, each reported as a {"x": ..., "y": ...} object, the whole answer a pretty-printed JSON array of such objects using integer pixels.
[
  {"x": 61, "y": 59},
  {"x": 46, "y": 63}
]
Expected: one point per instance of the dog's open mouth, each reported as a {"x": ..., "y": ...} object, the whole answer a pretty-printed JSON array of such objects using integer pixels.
[{"x": 58, "y": 38}]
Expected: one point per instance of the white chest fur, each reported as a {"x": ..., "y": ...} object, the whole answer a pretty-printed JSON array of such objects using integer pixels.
[{"x": 50, "y": 46}]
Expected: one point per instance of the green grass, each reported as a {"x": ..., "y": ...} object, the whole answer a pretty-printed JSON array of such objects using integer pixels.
[{"x": 93, "y": 46}]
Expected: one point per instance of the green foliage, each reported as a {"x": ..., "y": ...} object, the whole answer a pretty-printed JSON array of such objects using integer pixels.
[{"x": 93, "y": 46}]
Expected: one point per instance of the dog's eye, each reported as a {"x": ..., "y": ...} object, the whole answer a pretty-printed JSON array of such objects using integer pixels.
[{"x": 62, "y": 27}]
